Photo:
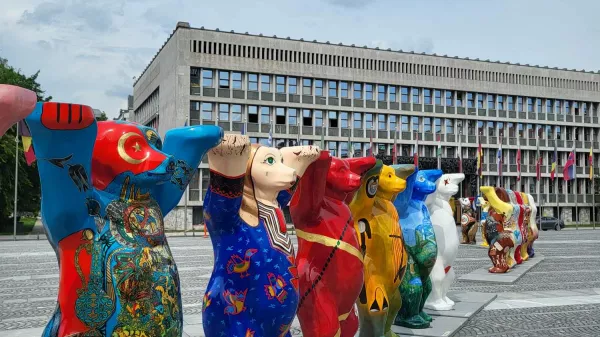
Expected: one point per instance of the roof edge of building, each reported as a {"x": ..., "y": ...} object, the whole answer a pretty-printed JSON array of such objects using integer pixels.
[{"x": 186, "y": 25}]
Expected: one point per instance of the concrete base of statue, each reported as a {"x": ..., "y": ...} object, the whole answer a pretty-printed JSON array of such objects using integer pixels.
[
  {"x": 510, "y": 277},
  {"x": 447, "y": 323}
]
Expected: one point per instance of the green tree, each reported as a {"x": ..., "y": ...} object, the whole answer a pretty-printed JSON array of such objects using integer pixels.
[{"x": 28, "y": 193}]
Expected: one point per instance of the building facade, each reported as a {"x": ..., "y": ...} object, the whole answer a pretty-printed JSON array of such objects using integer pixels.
[{"x": 343, "y": 96}]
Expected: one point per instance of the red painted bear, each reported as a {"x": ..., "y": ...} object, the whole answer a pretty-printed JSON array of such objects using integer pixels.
[{"x": 329, "y": 259}]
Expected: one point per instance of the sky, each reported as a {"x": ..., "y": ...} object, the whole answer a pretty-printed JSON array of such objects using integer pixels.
[{"x": 89, "y": 52}]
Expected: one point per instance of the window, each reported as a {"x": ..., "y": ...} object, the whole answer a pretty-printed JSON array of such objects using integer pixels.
[
  {"x": 265, "y": 115},
  {"x": 404, "y": 95},
  {"x": 369, "y": 121},
  {"x": 416, "y": 124},
  {"x": 500, "y": 102},
  {"x": 357, "y": 91},
  {"x": 548, "y": 106},
  {"x": 207, "y": 78},
  {"x": 427, "y": 124},
  {"x": 511, "y": 130},
  {"x": 438, "y": 97},
  {"x": 333, "y": 148},
  {"x": 549, "y": 132},
  {"x": 319, "y": 87},
  {"x": 252, "y": 114},
  {"x": 449, "y": 98},
  {"x": 511, "y": 103},
  {"x": 393, "y": 119},
  {"x": 480, "y": 101},
  {"x": 318, "y": 118},
  {"x": 459, "y": 98},
  {"x": 344, "y": 89},
  {"x": 491, "y": 99},
  {"x": 223, "y": 112},
  {"x": 575, "y": 108},
  {"x": 415, "y": 95},
  {"x": 470, "y": 100},
  {"x": 344, "y": 149},
  {"x": 194, "y": 77},
  {"x": 236, "y": 113},
  {"x": 207, "y": 110},
  {"x": 333, "y": 89},
  {"x": 381, "y": 93},
  {"x": 501, "y": 129},
  {"x": 344, "y": 119},
  {"x": 438, "y": 125},
  {"x": 470, "y": 127},
  {"x": 224, "y": 79},
  {"x": 293, "y": 85},
  {"x": 491, "y": 129},
  {"x": 449, "y": 126},
  {"x": 357, "y": 149},
  {"x": 520, "y": 104},
  {"x": 307, "y": 117},
  {"x": 292, "y": 116},
  {"x": 567, "y": 106},
  {"x": 557, "y": 107},
  {"x": 369, "y": 92},
  {"x": 306, "y": 86},
  {"x": 280, "y": 116},
  {"x": 557, "y": 128},
  {"x": 236, "y": 79},
  {"x": 392, "y": 91},
  {"x": 529, "y": 104},
  {"x": 252, "y": 82},
  {"x": 265, "y": 83},
  {"x": 405, "y": 124},
  {"x": 480, "y": 127},
  {"x": 584, "y": 108},
  {"x": 280, "y": 81},
  {"x": 381, "y": 122},
  {"x": 358, "y": 120},
  {"x": 195, "y": 186},
  {"x": 530, "y": 131},
  {"x": 538, "y": 102},
  {"x": 427, "y": 96}
]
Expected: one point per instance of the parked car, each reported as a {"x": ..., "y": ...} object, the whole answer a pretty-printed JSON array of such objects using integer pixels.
[{"x": 549, "y": 222}]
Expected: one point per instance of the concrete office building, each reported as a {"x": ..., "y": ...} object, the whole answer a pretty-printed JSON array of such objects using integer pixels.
[{"x": 304, "y": 89}]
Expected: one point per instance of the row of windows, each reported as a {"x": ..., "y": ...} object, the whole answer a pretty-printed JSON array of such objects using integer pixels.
[
  {"x": 235, "y": 50},
  {"x": 358, "y": 120},
  {"x": 147, "y": 109},
  {"x": 382, "y": 93},
  {"x": 199, "y": 184}
]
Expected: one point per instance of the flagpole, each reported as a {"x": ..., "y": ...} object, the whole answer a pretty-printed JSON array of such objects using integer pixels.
[
  {"x": 556, "y": 181},
  {"x": 539, "y": 177},
  {"x": 479, "y": 174},
  {"x": 460, "y": 157},
  {"x": 439, "y": 151},
  {"x": 394, "y": 154},
  {"x": 500, "y": 154},
  {"x": 576, "y": 185},
  {"x": 16, "y": 182}
]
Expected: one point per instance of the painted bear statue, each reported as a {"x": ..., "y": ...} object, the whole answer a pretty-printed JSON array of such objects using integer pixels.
[
  {"x": 532, "y": 228},
  {"x": 485, "y": 207},
  {"x": 497, "y": 230},
  {"x": 105, "y": 189},
  {"x": 522, "y": 222},
  {"x": 329, "y": 260},
  {"x": 442, "y": 275},
  {"x": 420, "y": 242},
  {"x": 381, "y": 243},
  {"x": 253, "y": 289},
  {"x": 468, "y": 222},
  {"x": 511, "y": 225}
]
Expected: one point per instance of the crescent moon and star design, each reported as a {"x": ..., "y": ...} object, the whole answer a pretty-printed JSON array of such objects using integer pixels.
[{"x": 125, "y": 144}]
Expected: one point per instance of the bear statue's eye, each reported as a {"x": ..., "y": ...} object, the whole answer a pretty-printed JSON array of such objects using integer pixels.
[
  {"x": 421, "y": 179},
  {"x": 389, "y": 175},
  {"x": 269, "y": 160}
]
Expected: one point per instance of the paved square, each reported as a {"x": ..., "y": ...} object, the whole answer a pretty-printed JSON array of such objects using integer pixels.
[{"x": 558, "y": 297}]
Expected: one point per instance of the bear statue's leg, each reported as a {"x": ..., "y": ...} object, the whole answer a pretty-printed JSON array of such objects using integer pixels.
[
  {"x": 510, "y": 258},
  {"x": 530, "y": 250},
  {"x": 494, "y": 255},
  {"x": 349, "y": 326},
  {"x": 436, "y": 301},
  {"x": 411, "y": 290},
  {"x": 426, "y": 292},
  {"x": 518, "y": 258},
  {"x": 318, "y": 314},
  {"x": 524, "y": 254},
  {"x": 395, "y": 305},
  {"x": 464, "y": 231},
  {"x": 448, "y": 280},
  {"x": 473, "y": 233}
]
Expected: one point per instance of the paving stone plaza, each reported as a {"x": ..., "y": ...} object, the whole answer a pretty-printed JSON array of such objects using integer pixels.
[{"x": 560, "y": 296}]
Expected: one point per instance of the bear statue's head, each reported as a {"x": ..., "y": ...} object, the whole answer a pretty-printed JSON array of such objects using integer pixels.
[
  {"x": 447, "y": 185},
  {"x": 465, "y": 203},
  {"x": 425, "y": 183},
  {"x": 129, "y": 153},
  {"x": 389, "y": 184},
  {"x": 344, "y": 176}
]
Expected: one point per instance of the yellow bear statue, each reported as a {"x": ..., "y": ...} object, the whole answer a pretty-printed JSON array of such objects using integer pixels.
[{"x": 382, "y": 246}]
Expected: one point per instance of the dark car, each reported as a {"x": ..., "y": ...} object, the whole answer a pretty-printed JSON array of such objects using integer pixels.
[{"x": 549, "y": 222}]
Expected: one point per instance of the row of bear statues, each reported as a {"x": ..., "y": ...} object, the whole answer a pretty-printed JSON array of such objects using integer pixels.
[{"x": 376, "y": 243}]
